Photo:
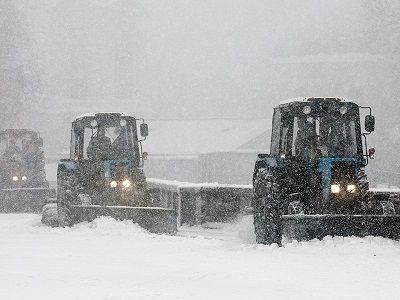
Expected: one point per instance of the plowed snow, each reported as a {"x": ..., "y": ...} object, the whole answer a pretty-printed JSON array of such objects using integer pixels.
[{"x": 107, "y": 259}]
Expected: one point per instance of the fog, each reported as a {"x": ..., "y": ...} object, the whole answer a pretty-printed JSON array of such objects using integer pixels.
[{"x": 192, "y": 59}]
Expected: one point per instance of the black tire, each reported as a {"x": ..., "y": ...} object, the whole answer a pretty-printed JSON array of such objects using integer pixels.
[
  {"x": 295, "y": 208},
  {"x": 267, "y": 208},
  {"x": 388, "y": 208},
  {"x": 64, "y": 215}
]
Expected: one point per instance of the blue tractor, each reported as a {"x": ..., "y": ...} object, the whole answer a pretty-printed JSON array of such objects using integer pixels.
[
  {"x": 313, "y": 182},
  {"x": 104, "y": 175}
]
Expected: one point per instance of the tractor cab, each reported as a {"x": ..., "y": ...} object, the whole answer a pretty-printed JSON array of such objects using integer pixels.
[
  {"x": 106, "y": 159},
  {"x": 322, "y": 139},
  {"x": 107, "y": 136},
  {"x": 313, "y": 128}
]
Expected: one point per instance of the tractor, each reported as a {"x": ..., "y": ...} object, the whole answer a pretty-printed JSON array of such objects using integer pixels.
[
  {"x": 104, "y": 175},
  {"x": 23, "y": 184},
  {"x": 313, "y": 182}
]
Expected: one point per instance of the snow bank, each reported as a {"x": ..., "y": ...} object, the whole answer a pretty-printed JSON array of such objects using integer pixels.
[{"x": 179, "y": 184}]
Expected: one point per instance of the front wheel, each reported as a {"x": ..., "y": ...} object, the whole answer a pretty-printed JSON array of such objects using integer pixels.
[
  {"x": 267, "y": 209},
  {"x": 268, "y": 223},
  {"x": 63, "y": 209}
]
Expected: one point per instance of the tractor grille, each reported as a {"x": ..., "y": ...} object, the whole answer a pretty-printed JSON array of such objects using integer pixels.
[{"x": 343, "y": 172}]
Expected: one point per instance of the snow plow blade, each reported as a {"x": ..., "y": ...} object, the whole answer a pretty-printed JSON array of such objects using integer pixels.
[
  {"x": 21, "y": 200},
  {"x": 153, "y": 219},
  {"x": 306, "y": 227}
]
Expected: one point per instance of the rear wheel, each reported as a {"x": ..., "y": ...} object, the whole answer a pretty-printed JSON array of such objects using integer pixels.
[
  {"x": 387, "y": 208},
  {"x": 295, "y": 208},
  {"x": 267, "y": 208}
]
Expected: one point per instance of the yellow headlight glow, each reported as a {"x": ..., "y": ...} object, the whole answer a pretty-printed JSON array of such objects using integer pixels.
[
  {"x": 113, "y": 184},
  {"x": 126, "y": 183},
  {"x": 15, "y": 178},
  {"x": 351, "y": 188},
  {"x": 335, "y": 189},
  {"x": 24, "y": 178}
]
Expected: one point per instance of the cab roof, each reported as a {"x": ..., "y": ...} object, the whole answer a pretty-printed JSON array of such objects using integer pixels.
[
  {"x": 310, "y": 99},
  {"x": 102, "y": 114},
  {"x": 19, "y": 131}
]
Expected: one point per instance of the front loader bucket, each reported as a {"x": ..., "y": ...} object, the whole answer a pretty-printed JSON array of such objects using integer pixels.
[
  {"x": 306, "y": 227},
  {"x": 24, "y": 200},
  {"x": 153, "y": 219}
]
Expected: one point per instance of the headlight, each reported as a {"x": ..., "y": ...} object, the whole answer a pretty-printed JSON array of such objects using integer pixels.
[
  {"x": 113, "y": 184},
  {"x": 126, "y": 183},
  {"x": 15, "y": 178},
  {"x": 351, "y": 188},
  {"x": 24, "y": 178},
  {"x": 335, "y": 189}
]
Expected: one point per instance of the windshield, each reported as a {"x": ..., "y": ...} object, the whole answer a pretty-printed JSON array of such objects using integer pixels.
[
  {"x": 325, "y": 136},
  {"x": 107, "y": 140},
  {"x": 320, "y": 134},
  {"x": 18, "y": 146}
]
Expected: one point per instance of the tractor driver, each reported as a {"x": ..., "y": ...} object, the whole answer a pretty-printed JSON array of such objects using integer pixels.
[
  {"x": 30, "y": 152},
  {"x": 12, "y": 149},
  {"x": 337, "y": 139},
  {"x": 306, "y": 140},
  {"x": 120, "y": 146},
  {"x": 99, "y": 146}
]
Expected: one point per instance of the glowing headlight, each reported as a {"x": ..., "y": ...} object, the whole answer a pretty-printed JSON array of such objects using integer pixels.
[
  {"x": 306, "y": 110},
  {"x": 335, "y": 189},
  {"x": 24, "y": 178},
  {"x": 15, "y": 178},
  {"x": 351, "y": 188},
  {"x": 113, "y": 184},
  {"x": 126, "y": 183}
]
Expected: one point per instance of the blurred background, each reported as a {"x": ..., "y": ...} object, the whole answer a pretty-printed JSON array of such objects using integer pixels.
[{"x": 204, "y": 74}]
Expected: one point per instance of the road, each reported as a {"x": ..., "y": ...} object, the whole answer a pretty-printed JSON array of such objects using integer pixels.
[{"x": 108, "y": 259}]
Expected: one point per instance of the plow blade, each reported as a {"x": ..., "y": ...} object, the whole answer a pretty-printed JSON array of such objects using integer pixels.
[
  {"x": 30, "y": 200},
  {"x": 306, "y": 227},
  {"x": 153, "y": 219}
]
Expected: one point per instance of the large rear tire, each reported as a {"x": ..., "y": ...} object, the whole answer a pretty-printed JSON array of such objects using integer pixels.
[{"x": 267, "y": 208}]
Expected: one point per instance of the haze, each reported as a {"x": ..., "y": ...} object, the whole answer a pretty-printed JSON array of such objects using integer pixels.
[{"x": 191, "y": 59}]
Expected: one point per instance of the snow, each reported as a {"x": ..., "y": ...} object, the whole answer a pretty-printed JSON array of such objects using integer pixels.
[
  {"x": 384, "y": 189},
  {"x": 178, "y": 184},
  {"x": 93, "y": 114},
  {"x": 307, "y": 99},
  {"x": 108, "y": 259}
]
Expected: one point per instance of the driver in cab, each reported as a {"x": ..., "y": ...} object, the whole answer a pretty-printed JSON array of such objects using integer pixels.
[{"x": 99, "y": 146}]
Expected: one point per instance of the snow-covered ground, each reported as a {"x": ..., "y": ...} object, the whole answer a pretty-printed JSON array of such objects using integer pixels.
[{"x": 107, "y": 259}]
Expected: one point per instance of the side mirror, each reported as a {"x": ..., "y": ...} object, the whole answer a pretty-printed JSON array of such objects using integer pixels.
[
  {"x": 369, "y": 123},
  {"x": 40, "y": 142},
  {"x": 371, "y": 153},
  {"x": 145, "y": 155},
  {"x": 144, "y": 130}
]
